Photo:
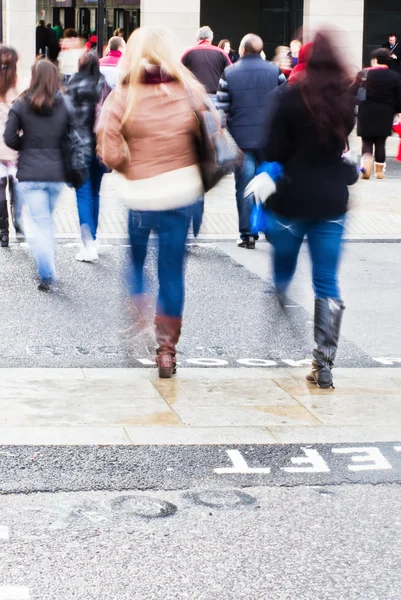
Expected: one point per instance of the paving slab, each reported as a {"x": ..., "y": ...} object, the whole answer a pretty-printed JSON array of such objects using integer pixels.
[{"x": 198, "y": 407}]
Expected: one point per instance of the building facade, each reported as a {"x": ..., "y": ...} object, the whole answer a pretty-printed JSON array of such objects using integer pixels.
[{"x": 358, "y": 25}]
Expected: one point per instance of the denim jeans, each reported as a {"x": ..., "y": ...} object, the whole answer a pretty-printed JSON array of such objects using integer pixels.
[
  {"x": 172, "y": 229},
  {"x": 41, "y": 197},
  {"x": 324, "y": 238},
  {"x": 88, "y": 199},
  {"x": 243, "y": 175}
]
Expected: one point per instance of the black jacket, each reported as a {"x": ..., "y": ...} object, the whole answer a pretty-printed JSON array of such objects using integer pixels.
[
  {"x": 243, "y": 94},
  {"x": 383, "y": 102},
  {"x": 42, "y": 39},
  {"x": 39, "y": 144},
  {"x": 316, "y": 177},
  {"x": 53, "y": 45},
  {"x": 85, "y": 93},
  {"x": 207, "y": 63},
  {"x": 396, "y": 50}
]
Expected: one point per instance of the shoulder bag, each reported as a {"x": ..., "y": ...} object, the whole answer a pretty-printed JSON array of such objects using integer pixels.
[
  {"x": 362, "y": 90},
  {"x": 217, "y": 150},
  {"x": 75, "y": 161}
]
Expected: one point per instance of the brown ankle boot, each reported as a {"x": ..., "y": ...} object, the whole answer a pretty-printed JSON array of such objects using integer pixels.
[
  {"x": 379, "y": 170},
  {"x": 168, "y": 331}
]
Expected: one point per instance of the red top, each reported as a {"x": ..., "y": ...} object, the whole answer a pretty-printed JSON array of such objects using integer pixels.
[{"x": 112, "y": 59}]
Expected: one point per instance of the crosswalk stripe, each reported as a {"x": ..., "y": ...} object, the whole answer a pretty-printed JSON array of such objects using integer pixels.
[
  {"x": 4, "y": 533},
  {"x": 14, "y": 592}
]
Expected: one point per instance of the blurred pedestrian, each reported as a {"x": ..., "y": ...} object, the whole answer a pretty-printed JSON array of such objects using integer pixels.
[
  {"x": 91, "y": 44},
  {"x": 146, "y": 133},
  {"x": 244, "y": 95},
  {"x": 394, "y": 47},
  {"x": 87, "y": 90},
  {"x": 10, "y": 89},
  {"x": 71, "y": 51},
  {"x": 308, "y": 137},
  {"x": 109, "y": 63},
  {"x": 205, "y": 61},
  {"x": 119, "y": 33},
  {"x": 282, "y": 60},
  {"x": 299, "y": 71},
  {"x": 226, "y": 46},
  {"x": 42, "y": 38},
  {"x": 36, "y": 127},
  {"x": 53, "y": 46},
  {"x": 295, "y": 47},
  {"x": 58, "y": 28},
  {"x": 376, "y": 114}
]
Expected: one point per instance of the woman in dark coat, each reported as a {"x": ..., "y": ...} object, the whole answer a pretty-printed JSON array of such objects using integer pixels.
[
  {"x": 376, "y": 114},
  {"x": 308, "y": 137},
  {"x": 87, "y": 90}
]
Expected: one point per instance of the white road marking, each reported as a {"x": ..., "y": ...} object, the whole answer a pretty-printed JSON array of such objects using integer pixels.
[
  {"x": 387, "y": 361},
  {"x": 207, "y": 362},
  {"x": 297, "y": 363},
  {"x": 14, "y": 592},
  {"x": 4, "y": 533},
  {"x": 240, "y": 466},
  {"x": 256, "y": 362},
  {"x": 312, "y": 458},
  {"x": 373, "y": 458}
]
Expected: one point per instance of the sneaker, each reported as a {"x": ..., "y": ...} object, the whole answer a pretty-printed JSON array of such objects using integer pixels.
[
  {"x": 88, "y": 252},
  {"x": 248, "y": 242}
]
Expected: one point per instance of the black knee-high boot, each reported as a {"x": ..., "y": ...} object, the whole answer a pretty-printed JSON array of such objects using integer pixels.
[
  {"x": 328, "y": 316},
  {"x": 3, "y": 213}
]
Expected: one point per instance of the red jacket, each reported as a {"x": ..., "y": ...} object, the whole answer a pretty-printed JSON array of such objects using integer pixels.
[{"x": 112, "y": 59}]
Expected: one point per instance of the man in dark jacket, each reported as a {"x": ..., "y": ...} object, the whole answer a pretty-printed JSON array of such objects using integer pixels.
[
  {"x": 205, "y": 61},
  {"x": 243, "y": 94},
  {"x": 52, "y": 44},
  {"x": 42, "y": 38},
  {"x": 395, "y": 50}
]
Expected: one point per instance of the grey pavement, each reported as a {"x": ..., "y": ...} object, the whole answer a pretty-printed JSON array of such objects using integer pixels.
[{"x": 375, "y": 210}]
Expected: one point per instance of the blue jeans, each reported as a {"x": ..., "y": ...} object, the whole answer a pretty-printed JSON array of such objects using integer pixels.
[
  {"x": 88, "y": 199},
  {"x": 41, "y": 197},
  {"x": 172, "y": 229},
  {"x": 324, "y": 240},
  {"x": 243, "y": 175}
]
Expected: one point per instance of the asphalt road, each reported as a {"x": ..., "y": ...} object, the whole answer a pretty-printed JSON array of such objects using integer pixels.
[
  {"x": 232, "y": 313},
  {"x": 302, "y": 543}
]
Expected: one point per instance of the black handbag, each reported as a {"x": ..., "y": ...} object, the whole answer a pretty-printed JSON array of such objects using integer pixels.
[
  {"x": 75, "y": 160},
  {"x": 217, "y": 150},
  {"x": 362, "y": 92}
]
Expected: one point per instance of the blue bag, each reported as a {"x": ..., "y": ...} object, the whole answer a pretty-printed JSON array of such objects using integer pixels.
[{"x": 259, "y": 215}]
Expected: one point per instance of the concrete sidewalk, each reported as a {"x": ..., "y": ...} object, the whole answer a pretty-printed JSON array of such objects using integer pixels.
[
  {"x": 199, "y": 406},
  {"x": 375, "y": 209}
]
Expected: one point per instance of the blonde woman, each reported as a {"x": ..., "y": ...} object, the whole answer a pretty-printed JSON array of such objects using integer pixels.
[{"x": 146, "y": 133}]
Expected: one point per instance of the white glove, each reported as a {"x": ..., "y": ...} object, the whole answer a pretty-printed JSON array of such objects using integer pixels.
[{"x": 262, "y": 187}]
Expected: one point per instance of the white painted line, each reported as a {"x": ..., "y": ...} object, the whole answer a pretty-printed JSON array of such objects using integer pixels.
[
  {"x": 240, "y": 466},
  {"x": 14, "y": 592},
  {"x": 373, "y": 459},
  {"x": 4, "y": 533}
]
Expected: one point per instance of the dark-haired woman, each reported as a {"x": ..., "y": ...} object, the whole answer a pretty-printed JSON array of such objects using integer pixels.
[
  {"x": 36, "y": 127},
  {"x": 308, "y": 137},
  {"x": 10, "y": 89},
  {"x": 226, "y": 46},
  {"x": 87, "y": 90},
  {"x": 376, "y": 114}
]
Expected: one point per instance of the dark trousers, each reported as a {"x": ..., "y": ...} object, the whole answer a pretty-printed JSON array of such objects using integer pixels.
[
  {"x": 376, "y": 147},
  {"x": 88, "y": 199},
  {"x": 172, "y": 228}
]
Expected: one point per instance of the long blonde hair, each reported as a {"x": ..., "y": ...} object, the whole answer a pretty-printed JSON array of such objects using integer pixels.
[{"x": 157, "y": 46}]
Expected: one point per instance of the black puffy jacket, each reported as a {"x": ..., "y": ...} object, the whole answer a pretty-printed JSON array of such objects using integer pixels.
[
  {"x": 86, "y": 91},
  {"x": 38, "y": 136}
]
